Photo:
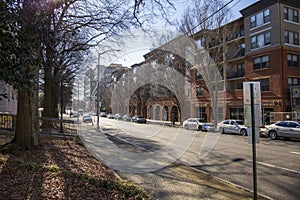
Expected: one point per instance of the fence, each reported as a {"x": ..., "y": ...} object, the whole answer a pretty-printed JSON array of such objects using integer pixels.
[
  {"x": 7, "y": 121},
  {"x": 282, "y": 116},
  {"x": 47, "y": 125},
  {"x": 59, "y": 126}
]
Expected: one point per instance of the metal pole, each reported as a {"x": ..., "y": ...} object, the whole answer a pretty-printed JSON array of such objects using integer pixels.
[
  {"x": 61, "y": 105},
  {"x": 253, "y": 142},
  {"x": 98, "y": 92},
  {"x": 78, "y": 100}
]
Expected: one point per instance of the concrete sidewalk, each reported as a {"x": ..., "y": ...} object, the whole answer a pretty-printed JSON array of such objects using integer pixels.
[
  {"x": 176, "y": 181},
  {"x": 182, "y": 182}
]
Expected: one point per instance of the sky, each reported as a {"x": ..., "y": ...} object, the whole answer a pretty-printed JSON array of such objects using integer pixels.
[{"x": 136, "y": 47}]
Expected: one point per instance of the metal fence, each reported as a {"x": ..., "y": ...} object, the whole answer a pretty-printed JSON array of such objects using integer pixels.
[
  {"x": 282, "y": 116},
  {"x": 59, "y": 126},
  {"x": 64, "y": 127},
  {"x": 7, "y": 121}
]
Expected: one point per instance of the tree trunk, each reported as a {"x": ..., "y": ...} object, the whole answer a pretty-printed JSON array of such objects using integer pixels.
[
  {"x": 27, "y": 127},
  {"x": 49, "y": 97}
]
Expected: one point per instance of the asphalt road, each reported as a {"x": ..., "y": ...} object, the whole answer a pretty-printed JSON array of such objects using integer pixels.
[{"x": 228, "y": 157}]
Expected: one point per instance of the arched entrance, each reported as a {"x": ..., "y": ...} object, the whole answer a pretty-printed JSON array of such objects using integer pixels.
[
  {"x": 166, "y": 113},
  {"x": 151, "y": 112},
  {"x": 174, "y": 113}
]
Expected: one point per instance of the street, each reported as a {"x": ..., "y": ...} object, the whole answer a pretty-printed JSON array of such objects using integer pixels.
[{"x": 228, "y": 157}]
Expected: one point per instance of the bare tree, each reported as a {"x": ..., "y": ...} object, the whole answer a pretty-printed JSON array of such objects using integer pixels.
[{"x": 53, "y": 39}]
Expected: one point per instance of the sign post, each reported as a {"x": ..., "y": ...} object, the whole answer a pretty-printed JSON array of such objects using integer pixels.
[{"x": 252, "y": 111}]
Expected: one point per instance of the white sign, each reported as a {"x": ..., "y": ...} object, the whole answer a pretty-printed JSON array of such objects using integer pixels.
[{"x": 257, "y": 109}]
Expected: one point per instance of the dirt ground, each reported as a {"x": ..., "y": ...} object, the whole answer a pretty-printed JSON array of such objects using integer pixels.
[{"x": 60, "y": 169}]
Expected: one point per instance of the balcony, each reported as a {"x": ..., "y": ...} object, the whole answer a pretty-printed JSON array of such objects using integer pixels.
[{"x": 236, "y": 74}]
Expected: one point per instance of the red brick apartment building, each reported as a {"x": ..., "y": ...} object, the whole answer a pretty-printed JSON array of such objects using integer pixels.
[{"x": 264, "y": 46}]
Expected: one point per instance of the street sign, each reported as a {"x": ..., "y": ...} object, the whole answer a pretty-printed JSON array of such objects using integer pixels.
[{"x": 257, "y": 109}]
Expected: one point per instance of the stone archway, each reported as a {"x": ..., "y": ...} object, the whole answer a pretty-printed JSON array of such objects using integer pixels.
[{"x": 174, "y": 114}]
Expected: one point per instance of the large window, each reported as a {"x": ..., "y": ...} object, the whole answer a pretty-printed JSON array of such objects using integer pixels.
[
  {"x": 291, "y": 37},
  {"x": 292, "y": 81},
  {"x": 237, "y": 113},
  {"x": 260, "y": 18},
  {"x": 261, "y": 40},
  {"x": 261, "y": 62},
  {"x": 293, "y": 60},
  {"x": 264, "y": 84},
  {"x": 291, "y": 14}
]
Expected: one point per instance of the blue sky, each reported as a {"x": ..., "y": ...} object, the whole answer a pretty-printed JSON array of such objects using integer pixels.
[{"x": 138, "y": 46}]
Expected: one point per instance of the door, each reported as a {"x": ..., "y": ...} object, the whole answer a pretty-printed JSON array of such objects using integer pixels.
[{"x": 294, "y": 130}]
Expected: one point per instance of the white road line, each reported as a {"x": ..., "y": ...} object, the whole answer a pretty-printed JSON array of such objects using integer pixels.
[
  {"x": 277, "y": 167},
  {"x": 294, "y": 152}
]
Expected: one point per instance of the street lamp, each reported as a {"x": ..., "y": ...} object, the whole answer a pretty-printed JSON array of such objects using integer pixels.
[{"x": 98, "y": 84}]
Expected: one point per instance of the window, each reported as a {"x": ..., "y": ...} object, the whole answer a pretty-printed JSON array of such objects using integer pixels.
[
  {"x": 291, "y": 37},
  {"x": 198, "y": 76},
  {"x": 292, "y": 81},
  {"x": 237, "y": 113},
  {"x": 293, "y": 60},
  {"x": 291, "y": 14},
  {"x": 260, "y": 40},
  {"x": 261, "y": 62},
  {"x": 264, "y": 84},
  {"x": 240, "y": 32},
  {"x": 157, "y": 112},
  {"x": 200, "y": 113},
  {"x": 199, "y": 91},
  {"x": 260, "y": 18}
]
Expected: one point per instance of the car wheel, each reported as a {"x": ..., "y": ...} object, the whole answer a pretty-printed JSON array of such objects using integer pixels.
[
  {"x": 199, "y": 128},
  {"x": 273, "y": 135},
  {"x": 221, "y": 130},
  {"x": 186, "y": 127},
  {"x": 243, "y": 132}
]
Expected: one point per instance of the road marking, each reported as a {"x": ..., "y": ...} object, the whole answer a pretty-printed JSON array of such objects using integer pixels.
[
  {"x": 274, "y": 166},
  {"x": 294, "y": 152}
]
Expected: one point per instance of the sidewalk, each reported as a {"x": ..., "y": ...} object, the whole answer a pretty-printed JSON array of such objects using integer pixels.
[
  {"x": 175, "y": 181},
  {"x": 182, "y": 182}
]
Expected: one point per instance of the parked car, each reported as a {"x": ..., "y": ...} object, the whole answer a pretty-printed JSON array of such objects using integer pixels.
[
  {"x": 126, "y": 118},
  {"x": 87, "y": 119},
  {"x": 103, "y": 114},
  {"x": 197, "y": 124},
  {"x": 286, "y": 129},
  {"x": 74, "y": 114},
  {"x": 138, "y": 119},
  {"x": 110, "y": 116},
  {"x": 118, "y": 116},
  {"x": 232, "y": 126}
]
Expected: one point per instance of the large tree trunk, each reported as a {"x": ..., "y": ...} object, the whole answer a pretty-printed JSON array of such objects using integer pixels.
[
  {"x": 27, "y": 127},
  {"x": 49, "y": 94}
]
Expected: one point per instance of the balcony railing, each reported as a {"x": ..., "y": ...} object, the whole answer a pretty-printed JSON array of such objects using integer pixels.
[{"x": 236, "y": 74}]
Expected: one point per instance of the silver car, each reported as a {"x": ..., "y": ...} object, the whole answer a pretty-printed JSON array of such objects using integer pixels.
[
  {"x": 287, "y": 129},
  {"x": 232, "y": 126},
  {"x": 197, "y": 124}
]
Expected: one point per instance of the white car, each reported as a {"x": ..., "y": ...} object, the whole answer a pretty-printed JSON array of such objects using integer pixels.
[
  {"x": 232, "y": 126},
  {"x": 286, "y": 129},
  {"x": 197, "y": 124}
]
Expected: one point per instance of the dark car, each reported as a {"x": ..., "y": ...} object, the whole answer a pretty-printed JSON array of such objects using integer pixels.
[
  {"x": 286, "y": 129},
  {"x": 139, "y": 119},
  {"x": 87, "y": 119}
]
